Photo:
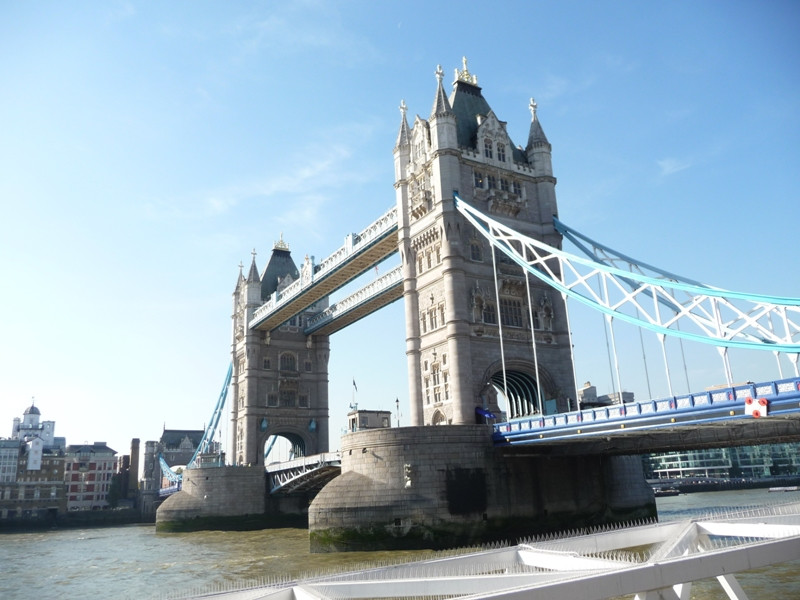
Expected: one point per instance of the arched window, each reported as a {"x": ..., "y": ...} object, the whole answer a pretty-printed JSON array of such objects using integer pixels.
[
  {"x": 489, "y": 313},
  {"x": 511, "y": 312},
  {"x": 475, "y": 251},
  {"x": 439, "y": 418},
  {"x": 288, "y": 362}
]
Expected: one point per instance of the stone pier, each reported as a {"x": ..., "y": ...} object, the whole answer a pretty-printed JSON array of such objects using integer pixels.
[{"x": 440, "y": 487}]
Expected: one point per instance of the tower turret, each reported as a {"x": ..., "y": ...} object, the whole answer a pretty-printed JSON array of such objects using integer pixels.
[{"x": 442, "y": 120}]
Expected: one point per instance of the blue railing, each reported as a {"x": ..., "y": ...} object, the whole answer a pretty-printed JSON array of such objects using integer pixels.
[{"x": 750, "y": 400}]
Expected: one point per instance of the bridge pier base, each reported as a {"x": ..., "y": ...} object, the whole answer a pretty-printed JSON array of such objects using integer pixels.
[
  {"x": 216, "y": 498},
  {"x": 440, "y": 487}
]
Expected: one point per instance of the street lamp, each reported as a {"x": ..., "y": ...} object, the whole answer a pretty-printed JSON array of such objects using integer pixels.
[{"x": 397, "y": 404}]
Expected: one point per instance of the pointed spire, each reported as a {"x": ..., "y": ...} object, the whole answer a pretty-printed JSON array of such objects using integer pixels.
[
  {"x": 239, "y": 278},
  {"x": 404, "y": 135},
  {"x": 536, "y": 135},
  {"x": 441, "y": 105},
  {"x": 253, "y": 276}
]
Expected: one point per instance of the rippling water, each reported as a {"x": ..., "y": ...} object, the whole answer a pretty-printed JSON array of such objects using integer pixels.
[{"x": 136, "y": 562}]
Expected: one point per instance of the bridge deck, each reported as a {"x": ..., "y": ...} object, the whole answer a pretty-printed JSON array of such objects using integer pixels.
[{"x": 713, "y": 419}]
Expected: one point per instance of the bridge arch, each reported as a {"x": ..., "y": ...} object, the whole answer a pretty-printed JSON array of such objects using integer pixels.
[
  {"x": 517, "y": 394},
  {"x": 283, "y": 445}
]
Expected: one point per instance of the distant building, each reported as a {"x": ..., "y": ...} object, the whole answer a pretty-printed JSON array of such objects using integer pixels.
[
  {"x": 750, "y": 462},
  {"x": 368, "y": 419},
  {"x": 30, "y": 427},
  {"x": 176, "y": 447},
  {"x": 589, "y": 399},
  {"x": 88, "y": 472},
  {"x": 32, "y": 470}
]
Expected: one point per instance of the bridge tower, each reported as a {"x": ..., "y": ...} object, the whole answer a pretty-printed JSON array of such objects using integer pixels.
[
  {"x": 280, "y": 377},
  {"x": 454, "y": 313}
]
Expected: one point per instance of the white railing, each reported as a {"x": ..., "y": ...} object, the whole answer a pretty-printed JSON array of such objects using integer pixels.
[
  {"x": 371, "y": 290},
  {"x": 354, "y": 244}
]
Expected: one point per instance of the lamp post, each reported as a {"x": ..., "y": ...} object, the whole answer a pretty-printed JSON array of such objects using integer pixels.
[{"x": 397, "y": 405}]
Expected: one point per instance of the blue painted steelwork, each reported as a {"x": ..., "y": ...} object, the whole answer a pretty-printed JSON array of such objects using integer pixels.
[
  {"x": 208, "y": 435},
  {"x": 724, "y": 404},
  {"x": 205, "y": 441}
]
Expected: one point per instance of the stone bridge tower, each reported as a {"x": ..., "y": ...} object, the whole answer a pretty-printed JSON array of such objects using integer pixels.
[
  {"x": 454, "y": 314},
  {"x": 279, "y": 384}
]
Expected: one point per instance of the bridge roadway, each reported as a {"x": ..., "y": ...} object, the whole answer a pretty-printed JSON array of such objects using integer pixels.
[
  {"x": 742, "y": 415},
  {"x": 360, "y": 253}
]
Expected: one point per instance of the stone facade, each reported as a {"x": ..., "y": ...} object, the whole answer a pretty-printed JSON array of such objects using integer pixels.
[
  {"x": 280, "y": 377},
  {"x": 457, "y": 312}
]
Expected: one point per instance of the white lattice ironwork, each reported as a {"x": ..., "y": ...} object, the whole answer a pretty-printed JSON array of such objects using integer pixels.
[{"x": 665, "y": 304}]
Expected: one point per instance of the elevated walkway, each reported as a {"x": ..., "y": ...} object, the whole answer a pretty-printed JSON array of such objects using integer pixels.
[
  {"x": 360, "y": 252},
  {"x": 379, "y": 293}
]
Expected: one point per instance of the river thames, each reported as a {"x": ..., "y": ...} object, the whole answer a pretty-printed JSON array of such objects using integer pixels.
[{"x": 135, "y": 562}]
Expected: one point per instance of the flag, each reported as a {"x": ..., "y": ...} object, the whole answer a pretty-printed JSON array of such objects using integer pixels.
[{"x": 355, "y": 387}]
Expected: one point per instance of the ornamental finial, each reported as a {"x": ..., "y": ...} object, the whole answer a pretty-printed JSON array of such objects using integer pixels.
[
  {"x": 533, "y": 106},
  {"x": 403, "y": 109},
  {"x": 254, "y": 254},
  {"x": 465, "y": 75},
  {"x": 439, "y": 73},
  {"x": 280, "y": 244}
]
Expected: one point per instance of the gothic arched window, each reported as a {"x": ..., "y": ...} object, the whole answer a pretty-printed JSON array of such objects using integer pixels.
[
  {"x": 288, "y": 362},
  {"x": 487, "y": 148}
]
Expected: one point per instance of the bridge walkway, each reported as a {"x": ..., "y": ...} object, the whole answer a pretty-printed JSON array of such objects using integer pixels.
[{"x": 360, "y": 253}]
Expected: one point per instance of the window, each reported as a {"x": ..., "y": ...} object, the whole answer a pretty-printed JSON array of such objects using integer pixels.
[
  {"x": 420, "y": 264},
  {"x": 492, "y": 181},
  {"x": 487, "y": 148},
  {"x": 288, "y": 362},
  {"x": 501, "y": 152},
  {"x": 266, "y": 363},
  {"x": 504, "y": 184},
  {"x": 427, "y": 390},
  {"x": 432, "y": 316},
  {"x": 272, "y": 400},
  {"x": 511, "y": 312},
  {"x": 308, "y": 366},
  {"x": 475, "y": 251},
  {"x": 478, "y": 179},
  {"x": 489, "y": 313},
  {"x": 304, "y": 400},
  {"x": 517, "y": 188},
  {"x": 288, "y": 398}
]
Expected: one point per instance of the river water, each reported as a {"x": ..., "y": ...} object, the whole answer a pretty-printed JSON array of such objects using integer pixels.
[{"x": 135, "y": 562}]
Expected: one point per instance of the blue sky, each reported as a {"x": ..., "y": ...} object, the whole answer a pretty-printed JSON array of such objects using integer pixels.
[{"x": 146, "y": 148}]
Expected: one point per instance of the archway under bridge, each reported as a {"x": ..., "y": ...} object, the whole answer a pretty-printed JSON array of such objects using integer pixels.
[
  {"x": 517, "y": 394},
  {"x": 281, "y": 447}
]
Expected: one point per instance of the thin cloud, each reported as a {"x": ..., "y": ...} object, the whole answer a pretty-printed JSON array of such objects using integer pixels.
[{"x": 670, "y": 166}]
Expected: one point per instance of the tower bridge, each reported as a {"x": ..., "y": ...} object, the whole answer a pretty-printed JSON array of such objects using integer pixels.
[{"x": 485, "y": 287}]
